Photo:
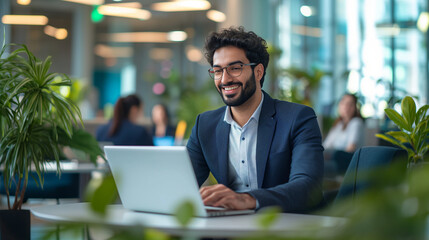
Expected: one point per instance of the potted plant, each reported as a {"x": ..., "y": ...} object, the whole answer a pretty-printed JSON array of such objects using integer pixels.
[
  {"x": 35, "y": 121},
  {"x": 413, "y": 134}
]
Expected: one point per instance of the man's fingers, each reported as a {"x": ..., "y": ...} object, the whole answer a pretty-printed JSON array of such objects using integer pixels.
[{"x": 211, "y": 197}]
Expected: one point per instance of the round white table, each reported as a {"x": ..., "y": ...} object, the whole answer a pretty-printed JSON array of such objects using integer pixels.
[{"x": 231, "y": 226}]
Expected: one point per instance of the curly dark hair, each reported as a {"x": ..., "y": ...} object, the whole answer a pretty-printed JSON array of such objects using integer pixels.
[{"x": 254, "y": 46}]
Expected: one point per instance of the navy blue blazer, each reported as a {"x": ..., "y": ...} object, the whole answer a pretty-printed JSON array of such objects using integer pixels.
[
  {"x": 289, "y": 154},
  {"x": 127, "y": 134}
]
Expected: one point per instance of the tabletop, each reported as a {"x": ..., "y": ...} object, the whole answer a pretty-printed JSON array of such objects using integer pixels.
[{"x": 229, "y": 226}]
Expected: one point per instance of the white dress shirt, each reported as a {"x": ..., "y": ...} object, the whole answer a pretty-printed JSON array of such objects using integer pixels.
[
  {"x": 339, "y": 138},
  {"x": 242, "y": 151}
]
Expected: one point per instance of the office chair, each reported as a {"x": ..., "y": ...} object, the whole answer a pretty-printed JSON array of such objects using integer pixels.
[
  {"x": 364, "y": 162},
  {"x": 54, "y": 187}
]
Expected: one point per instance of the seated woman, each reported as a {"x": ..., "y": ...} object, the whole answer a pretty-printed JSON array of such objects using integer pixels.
[
  {"x": 346, "y": 135},
  {"x": 162, "y": 131},
  {"x": 123, "y": 128}
]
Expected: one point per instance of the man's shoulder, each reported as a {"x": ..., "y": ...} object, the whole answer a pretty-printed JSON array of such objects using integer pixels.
[
  {"x": 286, "y": 107},
  {"x": 213, "y": 114}
]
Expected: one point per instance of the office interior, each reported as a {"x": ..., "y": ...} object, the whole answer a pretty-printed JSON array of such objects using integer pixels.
[{"x": 378, "y": 50}]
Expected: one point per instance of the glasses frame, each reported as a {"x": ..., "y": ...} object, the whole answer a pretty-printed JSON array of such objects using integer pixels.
[{"x": 212, "y": 74}]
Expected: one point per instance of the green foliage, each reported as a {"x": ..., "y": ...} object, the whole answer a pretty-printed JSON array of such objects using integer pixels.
[
  {"x": 185, "y": 212},
  {"x": 34, "y": 119},
  {"x": 413, "y": 134},
  {"x": 101, "y": 193},
  {"x": 303, "y": 84},
  {"x": 268, "y": 217}
]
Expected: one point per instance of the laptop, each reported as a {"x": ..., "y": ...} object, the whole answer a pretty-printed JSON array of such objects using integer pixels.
[{"x": 158, "y": 180}]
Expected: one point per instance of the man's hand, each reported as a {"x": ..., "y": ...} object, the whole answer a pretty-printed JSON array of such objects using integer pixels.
[{"x": 220, "y": 196}]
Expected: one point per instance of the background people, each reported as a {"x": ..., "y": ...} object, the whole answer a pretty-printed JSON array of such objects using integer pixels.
[
  {"x": 347, "y": 131},
  {"x": 346, "y": 135},
  {"x": 123, "y": 129},
  {"x": 162, "y": 131}
]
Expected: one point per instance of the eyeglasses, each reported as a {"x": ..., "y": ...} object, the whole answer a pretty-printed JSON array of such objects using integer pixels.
[{"x": 233, "y": 70}]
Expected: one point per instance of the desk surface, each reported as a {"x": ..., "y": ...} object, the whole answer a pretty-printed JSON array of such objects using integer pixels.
[{"x": 231, "y": 226}]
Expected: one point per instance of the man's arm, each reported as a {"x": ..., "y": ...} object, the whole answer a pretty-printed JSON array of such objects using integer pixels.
[{"x": 304, "y": 188}]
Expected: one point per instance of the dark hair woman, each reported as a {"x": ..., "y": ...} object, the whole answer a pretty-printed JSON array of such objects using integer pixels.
[
  {"x": 347, "y": 132},
  {"x": 123, "y": 128}
]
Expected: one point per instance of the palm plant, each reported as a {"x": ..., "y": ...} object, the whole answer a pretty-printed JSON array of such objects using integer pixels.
[
  {"x": 413, "y": 134},
  {"x": 34, "y": 119}
]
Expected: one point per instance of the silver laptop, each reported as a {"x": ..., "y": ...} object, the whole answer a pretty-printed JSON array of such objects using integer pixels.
[{"x": 158, "y": 179}]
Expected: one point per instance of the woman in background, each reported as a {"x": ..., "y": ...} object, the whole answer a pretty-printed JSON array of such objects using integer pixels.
[
  {"x": 162, "y": 131},
  {"x": 123, "y": 128},
  {"x": 344, "y": 138},
  {"x": 347, "y": 131}
]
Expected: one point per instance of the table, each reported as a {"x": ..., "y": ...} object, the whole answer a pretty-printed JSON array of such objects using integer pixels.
[
  {"x": 230, "y": 226},
  {"x": 74, "y": 179}
]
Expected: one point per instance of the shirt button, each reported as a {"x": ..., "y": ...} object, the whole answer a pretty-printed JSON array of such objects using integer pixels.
[
  {"x": 247, "y": 185},
  {"x": 242, "y": 161},
  {"x": 242, "y": 138}
]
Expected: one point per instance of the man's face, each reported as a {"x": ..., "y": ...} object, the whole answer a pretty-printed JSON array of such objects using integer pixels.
[{"x": 234, "y": 90}]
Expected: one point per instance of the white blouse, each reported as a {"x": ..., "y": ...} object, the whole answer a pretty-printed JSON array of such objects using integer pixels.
[{"x": 340, "y": 139}]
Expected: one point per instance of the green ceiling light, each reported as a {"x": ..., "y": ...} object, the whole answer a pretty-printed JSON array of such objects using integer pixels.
[{"x": 96, "y": 16}]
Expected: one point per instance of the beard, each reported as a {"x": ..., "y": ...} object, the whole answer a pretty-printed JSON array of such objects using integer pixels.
[{"x": 246, "y": 92}]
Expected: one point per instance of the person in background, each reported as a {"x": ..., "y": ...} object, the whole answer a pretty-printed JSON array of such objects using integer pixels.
[
  {"x": 262, "y": 151},
  {"x": 344, "y": 138},
  {"x": 123, "y": 129},
  {"x": 161, "y": 122},
  {"x": 347, "y": 131},
  {"x": 162, "y": 131}
]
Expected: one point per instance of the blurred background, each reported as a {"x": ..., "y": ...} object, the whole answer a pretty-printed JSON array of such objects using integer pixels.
[{"x": 319, "y": 50}]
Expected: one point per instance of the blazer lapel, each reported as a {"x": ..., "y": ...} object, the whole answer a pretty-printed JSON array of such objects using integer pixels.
[
  {"x": 222, "y": 142},
  {"x": 266, "y": 129}
]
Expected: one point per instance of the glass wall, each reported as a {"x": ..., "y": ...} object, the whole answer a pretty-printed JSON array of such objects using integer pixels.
[{"x": 371, "y": 48}]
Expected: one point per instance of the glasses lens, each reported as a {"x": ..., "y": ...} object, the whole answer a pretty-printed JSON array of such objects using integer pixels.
[
  {"x": 216, "y": 73},
  {"x": 211, "y": 73},
  {"x": 235, "y": 70}
]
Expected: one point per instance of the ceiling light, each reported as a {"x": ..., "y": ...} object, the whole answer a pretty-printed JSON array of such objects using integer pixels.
[
  {"x": 87, "y": 2},
  {"x": 306, "y": 11},
  {"x": 159, "y": 37},
  {"x": 58, "y": 33},
  {"x": 307, "y": 31},
  {"x": 124, "y": 12},
  {"x": 177, "y": 36},
  {"x": 423, "y": 21},
  {"x": 25, "y": 19},
  {"x": 388, "y": 30},
  {"x": 160, "y": 54},
  {"x": 183, "y": 5},
  {"x": 125, "y": 4},
  {"x": 113, "y": 52},
  {"x": 138, "y": 37},
  {"x": 193, "y": 54},
  {"x": 216, "y": 16},
  {"x": 23, "y": 2}
]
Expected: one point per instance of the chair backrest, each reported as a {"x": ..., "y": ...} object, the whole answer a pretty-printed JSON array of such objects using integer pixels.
[
  {"x": 363, "y": 162},
  {"x": 56, "y": 187}
]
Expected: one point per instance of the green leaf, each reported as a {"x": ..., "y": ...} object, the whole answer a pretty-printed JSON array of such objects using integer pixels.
[
  {"x": 103, "y": 194},
  {"x": 402, "y": 137},
  {"x": 185, "y": 212},
  {"x": 392, "y": 141},
  {"x": 421, "y": 113},
  {"x": 397, "y": 119},
  {"x": 409, "y": 110},
  {"x": 268, "y": 217}
]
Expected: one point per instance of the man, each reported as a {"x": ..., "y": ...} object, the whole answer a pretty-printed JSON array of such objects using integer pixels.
[{"x": 262, "y": 151}]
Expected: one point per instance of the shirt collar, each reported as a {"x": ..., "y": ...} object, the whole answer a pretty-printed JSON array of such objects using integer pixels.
[{"x": 228, "y": 117}]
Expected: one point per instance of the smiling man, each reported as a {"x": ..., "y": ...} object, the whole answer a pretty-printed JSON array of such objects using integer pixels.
[{"x": 262, "y": 151}]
